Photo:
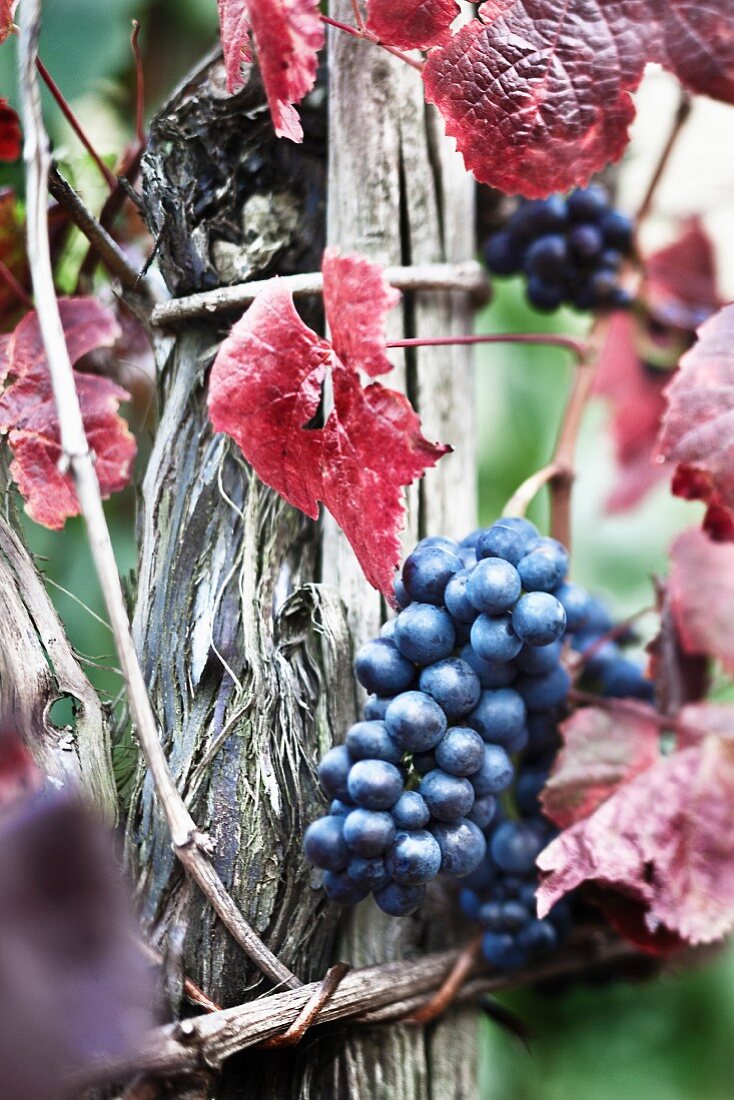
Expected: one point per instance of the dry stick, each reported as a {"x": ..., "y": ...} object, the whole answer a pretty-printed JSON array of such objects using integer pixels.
[
  {"x": 520, "y": 500},
  {"x": 549, "y": 339},
  {"x": 680, "y": 118},
  {"x": 371, "y": 995},
  {"x": 194, "y": 992},
  {"x": 139, "y": 84},
  {"x": 467, "y": 278},
  {"x": 105, "y": 247},
  {"x": 189, "y": 844},
  {"x": 75, "y": 124},
  {"x": 313, "y": 1007},
  {"x": 436, "y": 1005}
]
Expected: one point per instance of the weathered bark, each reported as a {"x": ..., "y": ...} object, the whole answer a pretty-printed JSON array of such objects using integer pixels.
[{"x": 248, "y": 660}]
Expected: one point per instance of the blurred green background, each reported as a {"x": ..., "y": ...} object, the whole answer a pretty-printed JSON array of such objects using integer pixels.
[{"x": 671, "y": 1039}]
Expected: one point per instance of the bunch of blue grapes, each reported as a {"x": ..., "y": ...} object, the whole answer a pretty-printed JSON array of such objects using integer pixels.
[
  {"x": 460, "y": 683},
  {"x": 607, "y": 670},
  {"x": 571, "y": 249}
]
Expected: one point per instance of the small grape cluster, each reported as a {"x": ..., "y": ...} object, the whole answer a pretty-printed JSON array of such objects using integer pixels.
[
  {"x": 460, "y": 681},
  {"x": 571, "y": 250},
  {"x": 607, "y": 671}
]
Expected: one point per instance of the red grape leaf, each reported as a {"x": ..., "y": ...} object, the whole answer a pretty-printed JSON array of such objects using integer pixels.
[
  {"x": 701, "y": 587},
  {"x": 266, "y": 386},
  {"x": 602, "y": 749},
  {"x": 697, "y": 720},
  {"x": 537, "y": 92},
  {"x": 641, "y": 350},
  {"x": 28, "y": 413},
  {"x": 665, "y": 838},
  {"x": 411, "y": 24},
  {"x": 288, "y": 35},
  {"x": 697, "y": 434},
  {"x": 7, "y": 13},
  {"x": 679, "y": 677},
  {"x": 357, "y": 298},
  {"x": 10, "y": 136}
]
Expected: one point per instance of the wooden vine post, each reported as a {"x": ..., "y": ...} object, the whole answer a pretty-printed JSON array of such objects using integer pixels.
[{"x": 399, "y": 194}]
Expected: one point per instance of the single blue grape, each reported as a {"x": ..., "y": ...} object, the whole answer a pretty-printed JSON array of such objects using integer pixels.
[
  {"x": 387, "y": 629},
  {"x": 493, "y": 586},
  {"x": 545, "y": 691},
  {"x": 490, "y": 915},
  {"x": 493, "y": 638},
  {"x": 456, "y": 599},
  {"x": 617, "y": 230},
  {"x": 410, "y": 811},
  {"x": 624, "y": 679},
  {"x": 491, "y": 674},
  {"x": 538, "y": 216},
  {"x": 448, "y": 797},
  {"x": 499, "y": 715},
  {"x": 376, "y": 707},
  {"x": 469, "y": 903},
  {"x": 515, "y": 846},
  {"x": 541, "y": 570},
  {"x": 538, "y": 937},
  {"x": 537, "y": 619},
  {"x": 401, "y": 596},
  {"x": 495, "y": 773},
  {"x": 371, "y": 741},
  {"x": 460, "y": 751},
  {"x": 585, "y": 242},
  {"x": 501, "y": 950},
  {"x": 598, "y": 618},
  {"x": 333, "y": 771},
  {"x": 370, "y": 874},
  {"x": 438, "y": 540},
  {"x": 414, "y": 858},
  {"x": 603, "y": 283},
  {"x": 587, "y": 204},
  {"x": 462, "y": 845},
  {"x": 381, "y": 668},
  {"x": 502, "y": 254},
  {"x": 374, "y": 784},
  {"x": 470, "y": 541},
  {"x": 527, "y": 791},
  {"x": 513, "y": 915},
  {"x": 453, "y": 684},
  {"x": 339, "y": 887},
  {"x": 468, "y": 556},
  {"x": 415, "y": 721},
  {"x": 424, "y": 634},
  {"x": 504, "y": 540},
  {"x": 536, "y": 659},
  {"x": 324, "y": 844},
  {"x": 427, "y": 571},
  {"x": 554, "y": 547},
  {"x": 546, "y": 257},
  {"x": 544, "y": 296},
  {"x": 368, "y": 833},
  {"x": 399, "y": 901},
  {"x": 483, "y": 812},
  {"x": 483, "y": 875},
  {"x": 575, "y": 602}
]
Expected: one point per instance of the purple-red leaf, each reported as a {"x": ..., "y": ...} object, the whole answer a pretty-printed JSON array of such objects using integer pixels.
[
  {"x": 697, "y": 435},
  {"x": 357, "y": 298},
  {"x": 641, "y": 350},
  {"x": 602, "y": 749},
  {"x": 537, "y": 92},
  {"x": 28, "y": 413},
  {"x": 665, "y": 839},
  {"x": 13, "y": 254},
  {"x": 411, "y": 24},
  {"x": 701, "y": 587},
  {"x": 10, "y": 137},
  {"x": 288, "y": 35},
  {"x": 266, "y": 387},
  {"x": 7, "y": 14}
]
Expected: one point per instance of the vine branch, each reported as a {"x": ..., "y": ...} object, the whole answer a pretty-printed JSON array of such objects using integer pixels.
[
  {"x": 682, "y": 114},
  {"x": 190, "y": 845},
  {"x": 467, "y": 278}
]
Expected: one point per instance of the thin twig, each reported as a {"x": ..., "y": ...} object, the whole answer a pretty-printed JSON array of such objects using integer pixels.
[
  {"x": 139, "y": 84},
  {"x": 313, "y": 1007},
  {"x": 108, "y": 251},
  {"x": 467, "y": 278},
  {"x": 371, "y": 995},
  {"x": 548, "y": 339},
  {"x": 75, "y": 124},
  {"x": 442, "y": 999},
  {"x": 520, "y": 500},
  {"x": 20, "y": 292},
  {"x": 194, "y": 992},
  {"x": 685, "y": 104},
  {"x": 190, "y": 845},
  {"x": 367, "y": 36}
]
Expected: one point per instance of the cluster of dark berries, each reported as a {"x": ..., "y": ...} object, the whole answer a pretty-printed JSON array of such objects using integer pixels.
[
  {"x": 571, "y": 250},
  {"x": 500, "y": 893},
  {"x": 458, "y": 681}
]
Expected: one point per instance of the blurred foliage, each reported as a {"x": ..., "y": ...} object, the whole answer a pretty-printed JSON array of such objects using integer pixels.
[{"x": 665, "y": 1040}]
